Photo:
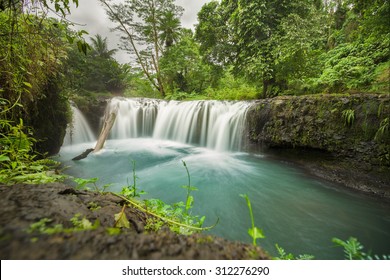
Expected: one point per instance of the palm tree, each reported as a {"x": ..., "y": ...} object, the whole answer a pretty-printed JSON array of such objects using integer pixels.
[
  {"x": 100, "y": 48},
  {"x": 170, "y": 27}
]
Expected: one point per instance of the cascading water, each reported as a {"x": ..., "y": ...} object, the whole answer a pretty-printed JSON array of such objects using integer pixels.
[
  {"x": 218, "y": 125},
  {"x": 299, "y": 212},
  {"x": 78, "y": 130}
]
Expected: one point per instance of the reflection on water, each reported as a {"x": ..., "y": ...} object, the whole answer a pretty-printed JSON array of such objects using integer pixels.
[{"x": 299, "y": 213}]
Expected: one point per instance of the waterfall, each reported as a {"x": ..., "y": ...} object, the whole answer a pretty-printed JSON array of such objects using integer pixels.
[
  {"x": 217, "y": 125},
  {"x": 78, "y": 130}
]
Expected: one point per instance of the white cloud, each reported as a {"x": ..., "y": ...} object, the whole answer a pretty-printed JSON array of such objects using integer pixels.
[{"x": 91, "y": 16}]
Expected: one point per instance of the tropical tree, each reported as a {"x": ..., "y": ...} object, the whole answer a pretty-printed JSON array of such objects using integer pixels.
[
  {"x": 33, "y": 48},
  {"x": 97, "y": 71},
  {"x": 100, "y": 47},
  {"x": 145, "y": 33},
  {"x": 170, "y": 27},
  {"x": 182, "y": 67}
]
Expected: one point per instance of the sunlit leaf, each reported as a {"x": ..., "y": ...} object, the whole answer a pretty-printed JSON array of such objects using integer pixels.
[
  {"x": 27, "y": 84},
  {"x": 4, "y": 158},
  {"x": 256, "y": 233},
  {"x": 121, "y": 220}
]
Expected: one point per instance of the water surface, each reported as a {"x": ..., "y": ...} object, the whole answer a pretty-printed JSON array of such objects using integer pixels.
[{"x": 300, "y": 213}]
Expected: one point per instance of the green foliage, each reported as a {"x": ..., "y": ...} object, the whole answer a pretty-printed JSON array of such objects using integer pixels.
[
  {"x": 130, "y": 191},
  {"x": 82, "y": 223},
  {"x": 288, "y": 256},
  {"x": 95, "y": 71},
  {"x": 138, "y": 86},
  {"x": 18, "y": 162},
  {"x": 93, "y": 206},
  {"x": 352, "y": 248},
  {"x": 230, "y": 87},
  {"x": 383, "y": 129},
  {"x": 79, "y": 224},
  {"x": 177, "y": 216},
  {"x": 254, "y": 231},
  {"x": 179, "y": 212},
  {"x": 348, "y": 116},
  {"x": 154, "y": 25},
  {"x": 299, "y": 46},
  {"x": 82, "y": 184},
  {"x": 189, "y": 199},
  {"x": 41, "y": 227},
  {"x": 121, "y": 220},
  {"x": 381, "y": 78},
  {"x": 182, "y": 68}
]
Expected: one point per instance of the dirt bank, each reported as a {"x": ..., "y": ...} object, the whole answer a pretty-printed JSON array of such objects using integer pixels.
[{"x": 23, "y": 205}]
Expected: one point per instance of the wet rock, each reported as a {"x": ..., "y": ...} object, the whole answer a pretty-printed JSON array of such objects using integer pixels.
[
  {"x": 24, "y": 204},
  {"x": 316, "y": 122}
]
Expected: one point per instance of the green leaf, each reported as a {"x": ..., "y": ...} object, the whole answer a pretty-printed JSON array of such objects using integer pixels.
[
  {"x": 189, "y": 202},
  {"x": 352, "y": 248},
  {"x": 256, "y": 233},
  {"x": 121, "y": 220},
  {"x": 4, "y": 158},
  {"x": 190, "y": 188},
  {"x": 113, "y": 231},
  {"x": 85, "y": 224},
  {"x": 27, "y": 84},
  {"x": 82, "y": 182}
]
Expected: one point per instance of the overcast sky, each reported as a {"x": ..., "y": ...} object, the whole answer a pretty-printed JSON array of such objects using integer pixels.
[{"x": 92, "y": 17}]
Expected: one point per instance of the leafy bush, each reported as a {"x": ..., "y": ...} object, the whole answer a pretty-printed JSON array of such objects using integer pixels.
[{"x": 18, "y": 162}]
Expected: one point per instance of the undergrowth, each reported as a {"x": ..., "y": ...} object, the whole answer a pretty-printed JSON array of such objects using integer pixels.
[
  {"x": 79, "y": 224},
  {"x": 18, "y": 161},
  {"x": 177, "y": 216}
]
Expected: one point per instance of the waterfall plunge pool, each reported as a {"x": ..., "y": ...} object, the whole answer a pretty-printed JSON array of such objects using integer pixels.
[{"x": 300, "y": 213}]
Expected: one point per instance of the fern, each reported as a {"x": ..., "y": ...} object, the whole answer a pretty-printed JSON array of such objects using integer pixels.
[
  {"x": 352, "y": 248},
  {"x": 348, "y": 116},
  {"x": 383, "y": 129}
]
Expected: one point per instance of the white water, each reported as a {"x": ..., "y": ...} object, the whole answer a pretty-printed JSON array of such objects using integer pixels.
[
  {"x": 217, "y": 125},
  {"x": 298, "y": 212},
  {"x": 78, "y": 131}
]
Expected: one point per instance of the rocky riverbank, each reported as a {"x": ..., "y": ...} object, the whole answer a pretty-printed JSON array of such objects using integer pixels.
[
  {"x": 342, "y": 138},
  {"x": 23, "y": 206}
]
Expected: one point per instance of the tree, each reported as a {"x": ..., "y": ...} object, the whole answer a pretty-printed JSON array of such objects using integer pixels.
[
  {"x": 170, "y": 27},
  {"x": 100, "y": 48},
  {"x": 97, "y": 71},
  {"x": 215, "y": 39},
  {"x": 33, "y": 48},
  {"x": 182, "y": 67},
  {"x": 145, "y": 33}
]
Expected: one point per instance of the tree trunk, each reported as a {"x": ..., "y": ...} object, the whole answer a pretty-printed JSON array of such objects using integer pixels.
[
  {"x": 109, "y": 120},
  {"x": 83, "y": 155}
]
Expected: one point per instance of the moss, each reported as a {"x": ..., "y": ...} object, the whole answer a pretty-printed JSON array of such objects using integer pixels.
[{"x": 318, "y": 122}]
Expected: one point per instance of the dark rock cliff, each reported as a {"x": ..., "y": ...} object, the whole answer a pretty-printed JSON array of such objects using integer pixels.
[{"x": 352, "y": 130}]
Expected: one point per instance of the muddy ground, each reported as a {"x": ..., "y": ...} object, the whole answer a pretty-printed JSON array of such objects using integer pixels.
[{"x": 22, "y": 205}]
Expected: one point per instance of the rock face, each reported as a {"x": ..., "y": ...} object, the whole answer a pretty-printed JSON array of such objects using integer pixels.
[
  {"x": 22, "y": 205},
  {"x": 352, "y": 130},
  {"x": 48, "y": 117},
  {"x": 93, "y": 109}
]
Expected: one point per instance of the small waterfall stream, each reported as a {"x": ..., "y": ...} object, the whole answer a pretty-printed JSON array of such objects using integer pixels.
[
  {"x": 217, "y": 125},
  {"x": 78, "y": 131}
]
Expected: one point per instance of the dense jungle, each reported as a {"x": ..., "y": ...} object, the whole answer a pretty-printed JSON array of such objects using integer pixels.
[{"x": 260, "y": 133}]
